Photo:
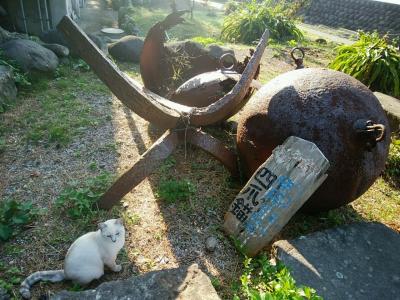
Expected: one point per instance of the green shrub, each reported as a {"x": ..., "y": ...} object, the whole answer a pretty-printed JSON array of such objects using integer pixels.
[
  {"x": 247, "y": 24},
  {"x": 373, "y": 60},
  {"x": 173, "y": 190},
  {"x": 20, "y": 77},
  {"x": 231, "y": 6},
  {"x": 79, "y": 200},
  {"x": 14, "y": 215},
  {"x": 288, "y": 8},
  {"x": 126, "y": 19},
  {"x": 262, "y": 280},
  {"x": 9, "y": 277}
]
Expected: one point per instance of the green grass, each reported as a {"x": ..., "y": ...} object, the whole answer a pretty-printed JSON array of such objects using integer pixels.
[
  {"x": 392, "y": 171},
  {"x": 14, "y": 216},
  {"x": 132, "y": 219},
  {"x": 203, "y": 24},
  {"x": 262, "y": 280},
  {"x": 57, "y": 113},
  {"x": 80, "y": 199},
  {"x": 172, "y": 190},
  {"x": 251, "y": 19},
  {"x": 9, "y": 277}
]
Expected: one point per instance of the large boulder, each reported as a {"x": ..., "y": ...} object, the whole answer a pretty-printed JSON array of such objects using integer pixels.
[
  {"x": 4, "y": 295},
  {"x": 127, "y": 48},
  {"x": 30, "y": 55},
  {"x": 54, "y": 37},
  {"x": 100, "y": 40},
  {"x": 59, "y": 50},
  {"x": 357, "y": 261},
  {"x": 8, "y": 90},
  {"x": 184, "y": 283}
]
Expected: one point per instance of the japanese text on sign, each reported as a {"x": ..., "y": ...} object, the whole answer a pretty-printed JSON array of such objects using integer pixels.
[{"x": 248, "y": 198}]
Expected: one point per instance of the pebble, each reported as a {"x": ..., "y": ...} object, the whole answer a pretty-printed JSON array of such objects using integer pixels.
[{"x": 211, "y": 244}]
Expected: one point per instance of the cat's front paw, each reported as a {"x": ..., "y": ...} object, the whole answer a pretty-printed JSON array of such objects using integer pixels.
[{"x": 117, "y": 268}]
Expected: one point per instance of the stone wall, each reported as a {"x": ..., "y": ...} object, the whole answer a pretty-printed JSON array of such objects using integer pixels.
[{"x": 367, "y": 15}]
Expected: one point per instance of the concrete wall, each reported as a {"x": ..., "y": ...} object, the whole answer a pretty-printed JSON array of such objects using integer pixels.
[
  {"x": 38, "y": 16},
  {"x": 367, "y": 15}
]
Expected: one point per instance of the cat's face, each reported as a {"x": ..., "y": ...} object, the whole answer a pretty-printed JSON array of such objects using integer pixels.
[{"x": 112, "y": 230}]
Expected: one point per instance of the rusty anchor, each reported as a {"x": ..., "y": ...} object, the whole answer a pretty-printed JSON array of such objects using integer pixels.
[{"x": 162, "y": 112}]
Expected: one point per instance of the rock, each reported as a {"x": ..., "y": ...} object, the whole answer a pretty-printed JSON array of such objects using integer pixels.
[
  {"x": 321, "y": 41},
  {"x": 211, "y": 244},
  {"x": 357, "y": 261},
  {"x": 8, "y": 90},
  {"x": 100, "y": 41},
  {"x": 127, "y": 48},
  {"x": 4, "y": 35},
  {"x": 391, "y": 106},
  {"x": 59, "y": 50},
  {"x": 54, "y": 37},
  {"x": 184, "y": 283},
  {"x": 30, "y": 55},
  {"x": 3, "y": 294}
]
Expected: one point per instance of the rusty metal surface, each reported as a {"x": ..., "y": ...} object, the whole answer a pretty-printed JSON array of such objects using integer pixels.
[
  {"x": 298, "y": 58},
  {"x": 162, "y": 112},
  {"x": 153, "y": 53},
  {"x": 233, "y": 101},
  {"x": 150, "y": 106},
  {"x": 147, "y": 164},
  {"x": 321, "y": 106},
  {"x": 159, "y": 66},
  {"x": 159, "y": 151},
  {"x": 131, "y": 93},
  {"x": 204, "y": 89},
  {"x": 212, "y": 146}
]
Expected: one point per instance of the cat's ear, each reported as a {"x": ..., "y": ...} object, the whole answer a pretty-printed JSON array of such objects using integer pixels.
[
  {"x": 101, "y": 226},
  {"x": 119, "y": 221}
]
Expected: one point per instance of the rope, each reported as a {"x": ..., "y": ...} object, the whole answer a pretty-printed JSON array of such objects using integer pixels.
[{"x": 186, "y": 121}]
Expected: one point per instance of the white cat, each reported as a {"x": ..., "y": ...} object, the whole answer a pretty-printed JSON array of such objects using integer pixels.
[{"x": 85, "y": 258}]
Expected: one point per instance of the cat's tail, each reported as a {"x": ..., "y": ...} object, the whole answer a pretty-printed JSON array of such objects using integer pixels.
[{"x": 52, "y": 276}]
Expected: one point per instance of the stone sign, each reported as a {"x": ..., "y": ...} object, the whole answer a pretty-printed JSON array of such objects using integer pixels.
[{"x": 278, "y": 188}]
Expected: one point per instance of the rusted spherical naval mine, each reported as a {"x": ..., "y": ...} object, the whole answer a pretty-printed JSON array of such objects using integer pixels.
[{"x": 333, "y": 110}]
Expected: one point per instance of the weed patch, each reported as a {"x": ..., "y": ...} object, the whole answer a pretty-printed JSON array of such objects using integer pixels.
[
  {"x": 20, "y": 77},
  {"x": 262, "y": 280},
  {"x": 79, "y": 200},
  {"x": 175, "y": 190},
  {"x": 247, "y": 23},
  {"x": 9, "y": 277},
  {"x": 13, "y": 216}
]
